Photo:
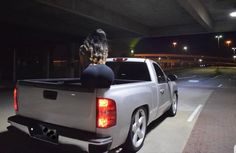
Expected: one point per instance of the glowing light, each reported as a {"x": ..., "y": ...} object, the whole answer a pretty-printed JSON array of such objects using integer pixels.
[
  {"x": 132, "y": 51},
  {"x": 159, "y": 58},
  {"x": 228, "y": 42},
  {"x": 233, "y": 14},
  {"x": 102, "y": 122},
  {"x": 15, "y": 100},
  {"x": 103, "y": 102},
  {"x": 134, "y": 42},
  {"x": 185, "y": 48},
  {"x": 200, "y": 60},
  {"x": 234, "y": 48},
  {"x": 218, "y": 36},
  {"x": 106, "y": 113},
  {"x": 174, "y": 43},
  {"x": 234, "y": 57}
]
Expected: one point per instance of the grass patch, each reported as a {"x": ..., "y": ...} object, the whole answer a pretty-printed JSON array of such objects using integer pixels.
[{"x": 218, "y": 71}]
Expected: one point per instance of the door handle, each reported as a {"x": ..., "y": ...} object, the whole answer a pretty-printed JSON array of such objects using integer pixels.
[{"x": 162, "y": 91}]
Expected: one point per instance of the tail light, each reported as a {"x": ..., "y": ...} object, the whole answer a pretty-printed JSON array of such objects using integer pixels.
[
  {"x": 15, "y": 100},
  {"x": 106, "y": 113}
]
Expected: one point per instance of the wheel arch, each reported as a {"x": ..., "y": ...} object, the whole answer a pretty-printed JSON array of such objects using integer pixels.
[{"x": 145, "y": 107}]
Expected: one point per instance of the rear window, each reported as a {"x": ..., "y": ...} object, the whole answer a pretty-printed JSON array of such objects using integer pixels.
[{"x": 130, "y": 70}]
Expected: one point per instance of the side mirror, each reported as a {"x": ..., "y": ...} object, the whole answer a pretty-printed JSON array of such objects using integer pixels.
[{"x": 172, "y": 77}]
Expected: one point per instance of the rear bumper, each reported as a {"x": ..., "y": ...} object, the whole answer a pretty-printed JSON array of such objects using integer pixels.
[{"x": 88, "y": 141}]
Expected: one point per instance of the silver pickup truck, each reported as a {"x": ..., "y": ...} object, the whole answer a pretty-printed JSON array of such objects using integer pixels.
[{"x": 62, "y": 111}]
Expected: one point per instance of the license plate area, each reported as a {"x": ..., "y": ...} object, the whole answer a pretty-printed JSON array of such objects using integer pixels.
[{"x": 44, "y": 133}]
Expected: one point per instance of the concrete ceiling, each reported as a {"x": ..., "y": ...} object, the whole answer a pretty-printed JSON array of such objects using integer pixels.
[{"x": 121, "y": 18}]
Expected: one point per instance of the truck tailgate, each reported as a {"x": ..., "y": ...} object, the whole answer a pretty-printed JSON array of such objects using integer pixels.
[{"x": 70, "y": 108}]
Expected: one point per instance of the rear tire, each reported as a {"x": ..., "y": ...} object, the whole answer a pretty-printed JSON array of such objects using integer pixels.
[
  {"x": 137, "y": 131},
  {"x": 173, "y": 109}
]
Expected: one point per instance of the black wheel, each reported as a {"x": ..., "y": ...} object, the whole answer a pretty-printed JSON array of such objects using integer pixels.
[
  {"x": 137, "y": 132},
  {"x": 173, "y": 109}
]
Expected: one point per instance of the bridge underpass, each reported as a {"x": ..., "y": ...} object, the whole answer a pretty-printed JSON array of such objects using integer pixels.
[
  {"x": 53, "y": 24},
  {"x": 40, "y": 39}
]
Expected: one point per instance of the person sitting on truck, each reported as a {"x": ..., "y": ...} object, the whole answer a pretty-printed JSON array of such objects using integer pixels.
[{"x": 93, "y": 55}]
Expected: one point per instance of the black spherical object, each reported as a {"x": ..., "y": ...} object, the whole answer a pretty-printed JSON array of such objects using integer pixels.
[{"x": 97, "y": 76}]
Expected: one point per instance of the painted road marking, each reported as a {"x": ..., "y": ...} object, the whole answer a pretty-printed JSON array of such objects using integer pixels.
[
  {"x": 220, "y": 85},
  {"x": 193, "y": 81},
  {"x": 191, "y": 117},
  {"x": 189, "y": 77},
  {"x": 215, "y": 77},
  {"x": 234, "y": 148}
]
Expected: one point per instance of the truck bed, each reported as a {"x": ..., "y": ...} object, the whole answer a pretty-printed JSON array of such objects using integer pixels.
[{"x": 60, "y": 101}]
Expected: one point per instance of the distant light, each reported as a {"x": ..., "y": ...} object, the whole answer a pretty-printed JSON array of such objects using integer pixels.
[
  {"x": 218, "y": 36},
  {"x": 228, "y": 42},
  {"x": 132, "y": 51},
  {"x": 174, "y": 43},
  {"x": 200, "y": 60},
  {"x": 159, "y": 58},
  {"x": 233, "y": 14},
  {"x": 234, "y": 48},
  {"x": 234, "y": 57},
  {"x": 185, "y": 48}
]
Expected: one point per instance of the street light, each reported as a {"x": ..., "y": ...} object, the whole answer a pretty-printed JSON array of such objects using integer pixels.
[
  {"x": 174, "y": 44},
  {"x": 132, "y": 51},
  {"x": 233, "y": 14},
  {"x": 228, "y": 42},
  {"x": 234, "y": 57},
  {"x": 185, "y": 48},
  {"x": 218, "y": 37},
  {"x": 234, "y": 48}
]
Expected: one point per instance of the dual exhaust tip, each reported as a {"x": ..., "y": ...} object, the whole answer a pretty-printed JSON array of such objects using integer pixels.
[{"x": 49, "y": 133}]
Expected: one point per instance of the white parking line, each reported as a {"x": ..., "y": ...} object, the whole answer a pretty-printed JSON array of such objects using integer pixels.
[
  {"x": 220, "y": 85},
  {"x": 234, "y": 148},
  {"x": 191, "y": 117},
  {"x": 215, "y": 77},
  {"x": 193, "y": 81}
]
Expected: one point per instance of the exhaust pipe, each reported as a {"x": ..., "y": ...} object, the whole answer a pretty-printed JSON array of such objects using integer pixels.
[{"x": 49, "y": 133}]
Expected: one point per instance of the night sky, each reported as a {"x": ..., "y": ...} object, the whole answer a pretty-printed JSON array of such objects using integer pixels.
[{"x": 201, "y": 44}]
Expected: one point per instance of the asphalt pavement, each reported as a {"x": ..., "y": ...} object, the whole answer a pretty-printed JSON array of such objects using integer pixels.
[{"x": 205, "y": 121}]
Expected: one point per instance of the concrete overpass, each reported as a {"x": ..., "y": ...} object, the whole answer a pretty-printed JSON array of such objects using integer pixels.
[
  {"x": 40, "y": 38},
  {"x": 122, "y": 18}
]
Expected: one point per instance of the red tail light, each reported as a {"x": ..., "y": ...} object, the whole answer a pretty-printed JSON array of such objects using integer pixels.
[
  {"x": 15, "y": 100},
  {"x": 106, "y": 113}
]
